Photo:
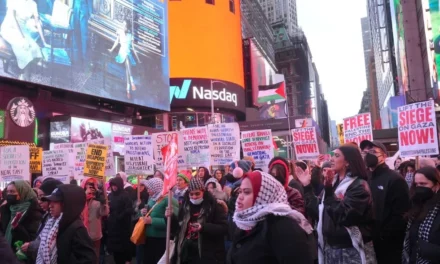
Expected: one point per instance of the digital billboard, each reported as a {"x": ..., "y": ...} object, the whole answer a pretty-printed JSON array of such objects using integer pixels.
[
  {"x": 83, "y": 130},
  {"x": 196, "y": 92},
  {"x": 114, "y": 49},
  {"x": 205, "y": 40},
  {"x": 432, "y": 28}
]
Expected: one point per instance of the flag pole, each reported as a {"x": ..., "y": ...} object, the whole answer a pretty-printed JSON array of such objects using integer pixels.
[{"x": 167, "y": 254}]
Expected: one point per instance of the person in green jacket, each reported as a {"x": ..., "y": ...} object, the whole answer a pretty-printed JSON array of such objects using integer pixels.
[{"x": 156, "y": 228}]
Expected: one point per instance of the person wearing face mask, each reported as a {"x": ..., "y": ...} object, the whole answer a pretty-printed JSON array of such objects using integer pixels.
[
  {"x": 422, "y": 239},
  {"x": 200, "y": 228},
  {"x": 391, "y": 202},
  {"x": 21, "y": 216}
]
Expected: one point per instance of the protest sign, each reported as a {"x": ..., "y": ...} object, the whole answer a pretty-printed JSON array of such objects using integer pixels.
[
  {"x": 259, "y": 145},
  {"x": 161, "y": 140},
  {"x": 170, "y": 155},
  {"x": 56, "y": 163},
  {"x": 417, "y": 129},
  {"x": 305, "y": 143},
  {"x": 80, "y": 150},
  {"x": 110, "y": 162},
  {"x": 95, "y": 161},
  {"x": 224, "y": 143},
  {"x": 195, "y": 146},
  {"x": 14, "y": 163},
  {"x": 35, "y": 159},
  {"x": 358, "y": 128},
  {"x": 138, "y": 155},
  {"x": 72, "y": 155}
]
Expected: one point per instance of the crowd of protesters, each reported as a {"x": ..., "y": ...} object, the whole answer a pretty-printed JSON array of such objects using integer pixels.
[{"x": 352, "y": 209}]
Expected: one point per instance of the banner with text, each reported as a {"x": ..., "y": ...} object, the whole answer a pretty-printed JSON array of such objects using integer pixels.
[
  {"x": 259, "y": 145},
  {"x": 358, "y": 128},
  {"x": 163, "y": 139},
  {"x": 417, "y": 129},
  {"x": 14, "y": 163},
  {"x": 138, "y": 155},
  {"x": 224, "y": 143},
  {"x": 305, "y": 143},
  {"x": 95, "y": 161},
  {"x": 72, "y": 156},
  {"x": 196, "y": 146},
  {"x": 56, "y": 163},
  {"x": 110, "y": 161},
  {"x": 35, "y": 159}
]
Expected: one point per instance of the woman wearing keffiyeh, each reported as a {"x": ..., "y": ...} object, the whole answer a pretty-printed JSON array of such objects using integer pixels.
[
  {"x": 422, "y": 243},
  {"x": 269, "y": 230},
  {"x": 156, "y": 226}
]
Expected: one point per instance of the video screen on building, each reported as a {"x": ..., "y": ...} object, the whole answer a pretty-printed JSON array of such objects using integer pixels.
[{"x": 114, "y": 49}]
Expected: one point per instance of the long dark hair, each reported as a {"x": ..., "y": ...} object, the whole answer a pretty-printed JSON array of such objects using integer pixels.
[
  {"x": 419, "y": 211},
  {"x": 356, "y": 164}
]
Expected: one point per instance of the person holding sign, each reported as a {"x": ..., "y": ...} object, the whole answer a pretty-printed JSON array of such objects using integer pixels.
[{"x": 391, "y": 202}]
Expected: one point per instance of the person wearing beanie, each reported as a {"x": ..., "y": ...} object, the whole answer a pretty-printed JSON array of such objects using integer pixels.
[
  {"x": 200, "y": 227},
  {"x": 46, "y": 188},
  {"x": 269, "y": 231},
  {"x": 181, "y": 187},
  {"x": 38, "y": 181}
]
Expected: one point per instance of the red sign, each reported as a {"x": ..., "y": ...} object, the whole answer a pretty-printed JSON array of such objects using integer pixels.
[
  {"x": 417, "y": 129},
  {"x": 305, "y": 143},
  {"x": 170, "y": 155},
  {"x": 358, "y": 128}
]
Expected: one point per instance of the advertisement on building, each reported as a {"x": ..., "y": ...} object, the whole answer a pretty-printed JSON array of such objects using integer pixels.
[
  {"x": 114, "y": 49},
  {"x": 83, "y": 130},
  {"x": 432, "y": 32},
  {"x": 196, "y": 92},
  {"x": 59, "y": 132}
]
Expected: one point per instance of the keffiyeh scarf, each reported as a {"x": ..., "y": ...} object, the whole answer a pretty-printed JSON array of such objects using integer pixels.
[
  {"x": 155, "y": 186},
  {"x": 271, "y": 200},
  {"x": 353, "y": 231},
  {"x": 47, "y": 252},
  {"x": 423, "y": 234}
]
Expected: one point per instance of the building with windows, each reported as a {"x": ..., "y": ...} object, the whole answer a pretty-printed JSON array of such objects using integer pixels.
[
  {"x": 281, "y": 10},
  {"x": 366, "y": 41}
]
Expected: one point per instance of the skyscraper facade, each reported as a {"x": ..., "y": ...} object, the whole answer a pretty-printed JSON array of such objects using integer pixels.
[
  {"x": 366, "y": 40},
  {"x": 281, "y": 11}
]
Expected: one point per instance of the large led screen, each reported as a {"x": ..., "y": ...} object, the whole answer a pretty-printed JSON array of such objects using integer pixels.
[{"x": 114, "y": 49}]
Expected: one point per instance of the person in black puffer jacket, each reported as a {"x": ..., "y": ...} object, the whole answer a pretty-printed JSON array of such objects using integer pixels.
[{"x": 119, "y": 222}]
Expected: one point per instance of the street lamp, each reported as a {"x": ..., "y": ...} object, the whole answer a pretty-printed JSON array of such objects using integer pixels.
[{"x": 212, "y": 98}]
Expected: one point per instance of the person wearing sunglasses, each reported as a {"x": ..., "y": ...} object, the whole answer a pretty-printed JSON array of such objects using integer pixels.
[{"x": 391, "y": 202}]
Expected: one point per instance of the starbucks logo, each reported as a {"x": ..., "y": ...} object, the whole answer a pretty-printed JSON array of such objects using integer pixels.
[{"x": 22, "y": 111}]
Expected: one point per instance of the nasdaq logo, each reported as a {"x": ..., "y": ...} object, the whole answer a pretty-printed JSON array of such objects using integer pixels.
[{"x": 180, "y": 92}]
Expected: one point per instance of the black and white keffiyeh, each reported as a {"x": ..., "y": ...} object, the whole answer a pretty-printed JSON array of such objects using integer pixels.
[
  {"x": 47, "y": 252},
  {"x": 271, "y": 199},
  {"x": 423, "y": 234},
  {"x": 155, "y": 186}
]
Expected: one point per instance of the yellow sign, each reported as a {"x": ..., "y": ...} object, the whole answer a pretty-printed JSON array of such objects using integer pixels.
[
  {"x": 95, "y": 161},
  {"x": 340, "y": 128},
  {"x": 35, "y": 159}
]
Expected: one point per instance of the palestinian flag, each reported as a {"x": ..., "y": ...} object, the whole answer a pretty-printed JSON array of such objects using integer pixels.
[{"x": 268, "y": 93}]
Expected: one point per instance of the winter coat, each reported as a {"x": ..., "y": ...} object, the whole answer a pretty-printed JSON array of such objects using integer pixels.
[
  {"x": 6, "y": 253},
  {"x": 73, "y": 242},
  {"x": 275, "y": 240},
  {"x": 391, "y": 202},
  {"x": 119, "y": 220},
  {"x": 214, "y": 224},
  {"x": 32, "y": 251},
  {"x": 27, "y": 228},
  {"x": 295, "y": 200},
  {"x": 158, "y": 227}
]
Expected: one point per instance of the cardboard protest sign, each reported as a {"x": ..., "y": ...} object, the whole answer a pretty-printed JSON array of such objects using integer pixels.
[
  {"x": 259, "y": 145},
  {"x": 71, "y": 151},
  {"x": 161, "y": 140},
  {"x": 14, "y": 163},
  {"x": 305, "y": 143},
  {"x": 109, "y": 162},
  {"x": 358, "y": 128},
  {"x": 170, "y": 155},
  {"x": 80, "y": 150},
  {"x": 95, "y": 161},
  {"x": 35, "y": 160},
  {"x": 56, "y": 163},
  {"x": 138, "y": 155},
  {"x": 196, "y": 146},
  {"x": 224, "y": 143},
  {"x": 417, "y": 129}
]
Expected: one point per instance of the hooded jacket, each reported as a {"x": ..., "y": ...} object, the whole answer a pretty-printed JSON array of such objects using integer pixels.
[
  {"x": 119, "y": 220},
  {"x": 6, "y": 253},
  {"x": 97, "y": 208},
  {"x": 73, "y": 242}
]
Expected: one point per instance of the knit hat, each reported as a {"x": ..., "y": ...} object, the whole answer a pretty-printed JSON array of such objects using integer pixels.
[
  {"x": 38, "y": 179},
  {"x": 184, "y": 177},
  {"x": 155, "y": 186},
  {"x": 49, "y": 185},
  {"x": 240, "y": 168},
  {"x": 196, "y": 185},
  {"x": 326, "y": 164}
]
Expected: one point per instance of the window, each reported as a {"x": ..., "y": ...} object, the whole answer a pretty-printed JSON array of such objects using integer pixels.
[
  {"x": 211, "y": 2},
  {"x": 232, "y": 6}
]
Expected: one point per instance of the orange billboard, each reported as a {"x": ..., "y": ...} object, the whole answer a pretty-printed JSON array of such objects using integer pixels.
[{"x": 205, "y": 40}]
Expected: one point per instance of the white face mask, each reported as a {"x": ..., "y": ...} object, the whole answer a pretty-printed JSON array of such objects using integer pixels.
[{"x": 196, "y": 201}]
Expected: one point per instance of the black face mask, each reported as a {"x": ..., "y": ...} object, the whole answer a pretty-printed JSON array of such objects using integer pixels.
[
  {"x": 422, "y": 194},
  {"x": 371, "y": 160},
  {"x": 11, "y": 199},
  {"x": 230, "y": 178}
]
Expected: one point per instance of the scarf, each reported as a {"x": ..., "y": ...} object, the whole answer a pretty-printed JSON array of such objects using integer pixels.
[
  {"x": 271, "y": 200},
  {"x": 180, "y": 193},
  {"x": 353, "y": 231},
  {"x": 423, "y": 234},
  {"x": 155, "y": 187},
  {"x": 17, "y": 211},
  {"x": 47, "y": 252}
]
